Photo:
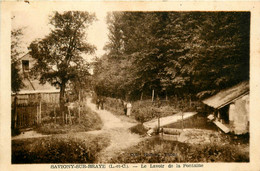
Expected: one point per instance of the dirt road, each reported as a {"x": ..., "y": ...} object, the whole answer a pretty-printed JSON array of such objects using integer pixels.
[{"x": 118, "y": 130}]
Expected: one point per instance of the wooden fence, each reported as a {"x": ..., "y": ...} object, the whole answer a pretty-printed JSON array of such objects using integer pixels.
[{"x": 31, "y": 109}]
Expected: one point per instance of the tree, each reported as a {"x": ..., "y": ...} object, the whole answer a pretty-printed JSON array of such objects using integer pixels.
[
  {"x": 181, "y": 53},
  {"x": 223, "y": 55},
  {"x": 111, "y": 71},
  {"x": 16, "y": 83},
  {"x": 59, "y": 54},
  {"x": 82, "y": 83}
]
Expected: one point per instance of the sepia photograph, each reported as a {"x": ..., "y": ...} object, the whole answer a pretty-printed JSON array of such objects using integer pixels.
[{"x": 119, "y": 87}]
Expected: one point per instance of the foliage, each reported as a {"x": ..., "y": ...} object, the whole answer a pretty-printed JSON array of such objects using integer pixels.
[
  {"x": 175, "y": 53},
  {"x": 114, "y": 105},
  {"x": 145, "y": 110},
  {"x": 16, "y": 78},
  {"x": 58, "y": 149},
  {"x": 139, "y": 129},
  {"x": 59, "y": 55},
  {"x": 89, "y": 121},
  {"x": 144, "y": 113},
  {"x": 155, "y": 150}
]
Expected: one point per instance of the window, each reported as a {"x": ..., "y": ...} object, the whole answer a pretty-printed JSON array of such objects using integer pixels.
[
  {"x": 25, "y": 67},
  {"x": 25, "y": 64}
]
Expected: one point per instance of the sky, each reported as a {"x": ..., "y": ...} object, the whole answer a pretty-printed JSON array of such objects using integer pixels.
[{"x": 35, "y": 24}]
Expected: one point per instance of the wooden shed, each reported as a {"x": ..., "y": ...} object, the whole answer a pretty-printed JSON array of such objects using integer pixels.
[{"x": 231, "y": 108}]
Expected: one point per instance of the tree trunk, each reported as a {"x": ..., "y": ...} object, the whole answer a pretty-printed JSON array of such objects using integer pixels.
[{"x": 62, "y": 101}]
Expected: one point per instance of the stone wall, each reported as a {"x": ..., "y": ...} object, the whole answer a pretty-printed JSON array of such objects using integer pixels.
[{"x": 239, "y": 115}]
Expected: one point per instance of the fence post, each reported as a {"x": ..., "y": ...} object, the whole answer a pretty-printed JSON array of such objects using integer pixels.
[
  {"x": 66, "y": 118},
  {"x": 79, "y": 113},
  {"x": 15, "y": 111},
  {"x": 79, "y": 106},
  {"x": 66, "y": 113},
  {"x": 22, "y": 116},
  {"x": 152, "y": 95},
  {"x": 55, "y": 113},
  {"x": 40, "y": 110},
  {"x": 70, "y": 122},
  {"x": 37, "y": 113},
  {"x": 158, "y": 122},
  {"x": 182, "y": 120}
]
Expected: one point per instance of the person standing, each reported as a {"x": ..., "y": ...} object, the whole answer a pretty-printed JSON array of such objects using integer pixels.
[
  {"x": 125, "y": 108},
  {"x": 98, "y": 102},
  {"x": 129, "y": 108},
  {"x": 102, "y": 101}
]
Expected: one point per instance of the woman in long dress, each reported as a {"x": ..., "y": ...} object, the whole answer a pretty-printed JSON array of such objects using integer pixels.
[{"x": 128, "y": 107}]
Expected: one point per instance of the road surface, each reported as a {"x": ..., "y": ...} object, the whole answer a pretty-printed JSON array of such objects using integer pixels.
[{"x": 119, "y": 133}]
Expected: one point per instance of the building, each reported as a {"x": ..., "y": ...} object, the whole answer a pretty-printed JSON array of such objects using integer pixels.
[
  {"x": 231, "y": 108},
  {"x": 32, "y": 85},
  {"x": 34, "y": 101}
]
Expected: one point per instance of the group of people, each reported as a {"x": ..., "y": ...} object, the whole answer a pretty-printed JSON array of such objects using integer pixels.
[
  {"x": 100, "y": 103},
  {"x": 127, "y": 108},
  {"x": 127, "y": 105}
]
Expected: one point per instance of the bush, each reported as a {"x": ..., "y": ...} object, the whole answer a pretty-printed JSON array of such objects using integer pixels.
[
  {"x": 57, "y": 150},
  {"x": 146, "y": 110},
  {"x": 114, "y": 105},
  {"x": 89, "y": 121},
  {"x": 144, "y": 114},
  {"x": 155, "y": 150},
  {"x": 138, "y": 129}
]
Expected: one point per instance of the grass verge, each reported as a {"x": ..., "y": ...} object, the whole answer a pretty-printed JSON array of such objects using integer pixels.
[
  {"x": 58, "y": 149},
  {"x": 155, "y": 150}
]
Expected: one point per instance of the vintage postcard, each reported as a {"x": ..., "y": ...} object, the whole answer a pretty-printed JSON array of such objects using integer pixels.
[{"x": 130, "y": 85}]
